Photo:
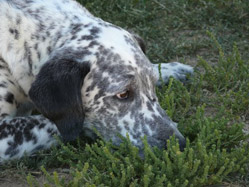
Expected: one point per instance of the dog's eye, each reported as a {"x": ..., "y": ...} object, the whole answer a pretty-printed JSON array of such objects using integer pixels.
[{"x": 123, "y": 95}]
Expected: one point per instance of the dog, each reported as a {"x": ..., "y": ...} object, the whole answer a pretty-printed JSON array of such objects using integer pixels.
[{"x": 81, "y": 73}]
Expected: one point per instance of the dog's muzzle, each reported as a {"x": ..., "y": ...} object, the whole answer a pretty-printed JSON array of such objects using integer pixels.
[{"x": 161, "y": 141}]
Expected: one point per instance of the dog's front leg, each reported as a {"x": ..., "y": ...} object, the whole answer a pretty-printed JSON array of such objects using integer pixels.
[
  {"x": 176, "y": 70},
  {"x": 25, "y": 135}
]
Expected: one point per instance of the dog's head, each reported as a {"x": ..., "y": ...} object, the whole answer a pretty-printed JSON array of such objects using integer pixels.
[{"x": 108, "y": 85}]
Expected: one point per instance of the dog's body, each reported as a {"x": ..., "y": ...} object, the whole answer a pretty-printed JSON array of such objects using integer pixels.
[{"x": 79, "y": 72}]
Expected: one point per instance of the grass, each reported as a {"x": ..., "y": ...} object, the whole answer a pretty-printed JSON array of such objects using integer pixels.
[{"x": 212, "y": 110}]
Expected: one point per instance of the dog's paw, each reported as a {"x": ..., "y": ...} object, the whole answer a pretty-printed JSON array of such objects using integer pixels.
[{"x": 176, "y": 70}]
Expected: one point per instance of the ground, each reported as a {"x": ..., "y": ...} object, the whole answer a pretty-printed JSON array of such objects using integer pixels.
[{"x": 211, "y": 35}]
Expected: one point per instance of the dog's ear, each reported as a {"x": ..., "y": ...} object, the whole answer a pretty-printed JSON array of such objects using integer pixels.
[
  {"x": 140, "y": 41},
  {"x": 56, "y": 93}
]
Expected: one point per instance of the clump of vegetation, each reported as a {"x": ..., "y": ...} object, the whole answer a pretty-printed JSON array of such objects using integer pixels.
[{"x": 206, "y": 160}]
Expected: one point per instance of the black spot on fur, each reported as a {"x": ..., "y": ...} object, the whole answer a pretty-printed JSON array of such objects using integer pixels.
[
  {"x": 2, "y": 85},
  {"x": 49, "y": 131},
  {"x": 49, "y": 50},
  {"x": 28, "y": 56},
  {"x": 11, "y": 31},
  {"x": 4, "y": 115},
  {"x": 41, "y": 27},
  {"x": 9, "y": 97},
  {"x": 41, "y": 126},
  {"x": 94, "y": 31},
  {"x": 27, "y": 132},
  {"x": 76, "y": 28},
  {"x": 73, "y": 37},
  {"x": 12, "y": 151},
  {"x": 38, "y": 55},
  {"x": 87, "y": 25},
  {"x": 149, "y": 106},
  {"x": 15, "y": 33},
  {"x": 48, "y": 34},
  {"x": 11, "y": 82},
  {"x": 87, "y": 37},
  {"x": 36, "y": 46},
  {"x": 18, "y": 20},
  {"x": 93, "y": 43}
]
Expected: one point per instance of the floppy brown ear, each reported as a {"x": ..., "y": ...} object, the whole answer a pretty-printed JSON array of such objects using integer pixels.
[{"x": 56, "y": 93}]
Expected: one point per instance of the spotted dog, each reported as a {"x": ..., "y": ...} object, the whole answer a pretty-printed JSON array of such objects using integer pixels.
[{"x": 80, "y": 73}]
